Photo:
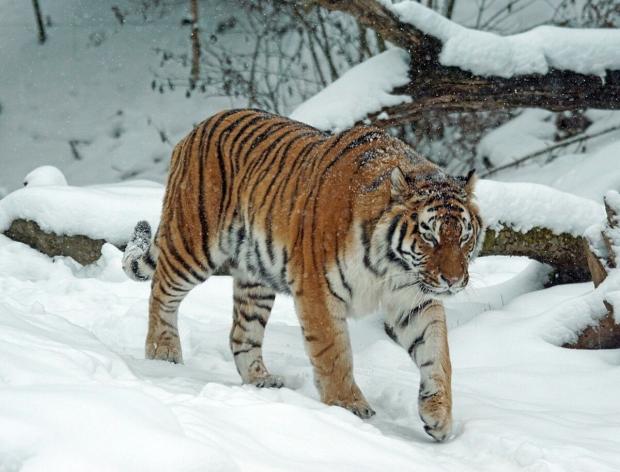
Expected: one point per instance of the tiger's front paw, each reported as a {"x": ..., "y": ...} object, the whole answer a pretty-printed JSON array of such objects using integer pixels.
[
  {"x": 268, "y": 381},
  {"x": 436, "y": 411},
  {"x": 351, "y": 398},
  {"x": 164, "y": 348}
]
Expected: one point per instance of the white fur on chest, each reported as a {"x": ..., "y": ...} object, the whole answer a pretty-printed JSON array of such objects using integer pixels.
[{"x": 371, "y": 293}]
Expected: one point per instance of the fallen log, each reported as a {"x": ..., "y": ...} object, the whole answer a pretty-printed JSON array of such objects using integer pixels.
[{"x": 563, "y": 252}]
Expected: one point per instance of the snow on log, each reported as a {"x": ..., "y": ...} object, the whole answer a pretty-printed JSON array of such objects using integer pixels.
[
  {"x": 100, "y": 212},
  {"x": 536, "y": 221},
  {"x": 454, "y": 68},
  {"x": 62, "y": 220},
  {"x": 526, "y": 206}
]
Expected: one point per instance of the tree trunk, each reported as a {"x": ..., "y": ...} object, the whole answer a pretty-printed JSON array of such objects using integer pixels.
[
  {"x": 438, "y": 87},
  {"x": 564, "y": 252},
  {"x": 195, "y": 70},
  {"x": 40, "y": 25},
  {"x": 605, "y": 334}
]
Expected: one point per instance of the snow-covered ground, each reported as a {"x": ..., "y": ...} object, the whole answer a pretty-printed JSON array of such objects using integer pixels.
[{"x": 77, "y": 394}]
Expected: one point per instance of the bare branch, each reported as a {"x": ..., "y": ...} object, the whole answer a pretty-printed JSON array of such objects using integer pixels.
[{"x": 580, "y": 138}]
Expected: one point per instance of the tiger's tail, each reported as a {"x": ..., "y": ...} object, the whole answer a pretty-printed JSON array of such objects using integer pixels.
[{"x": 140, "y": 256}]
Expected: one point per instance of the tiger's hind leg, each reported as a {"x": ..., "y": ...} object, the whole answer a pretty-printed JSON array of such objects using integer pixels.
[
  {"x": 172, "y": 281},
  {"x": 252, "y": 307}
]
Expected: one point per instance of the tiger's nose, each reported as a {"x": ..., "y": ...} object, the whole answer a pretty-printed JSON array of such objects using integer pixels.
[{"x": 450, "y": 280}]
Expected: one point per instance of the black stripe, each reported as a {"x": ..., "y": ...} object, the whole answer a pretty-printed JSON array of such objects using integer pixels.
[
  {"x": 249, "y": 285},
  {"x": 175, "y": 271},
  {"x": 390, "y": 332},
  {"x": 135, "y": 269},
  {"x": 366, "y": 245},
  {"x": 406, "y": 318},
  {"x": 245, "y": 351},
  {"x": 262, "y": 269},
  {"x": 331, "y": 289},
  {"x": 260, "y": 297},
  {"x": 186, "y": 265},
  {"x": 173, "y": 298},
  {"x": 343, "y": 279},
  {"x": 250, "y": 318},
  {"x": 283, "y": 270},
  {"x": 420, "y": 339},
  {"x": 392, "y": 229},
  {"x": 148, "y": 259},
  {"x": 253, "y": 303}
]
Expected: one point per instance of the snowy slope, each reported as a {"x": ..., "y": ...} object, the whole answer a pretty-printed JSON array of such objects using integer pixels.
[{"x": 77, "y": 394}]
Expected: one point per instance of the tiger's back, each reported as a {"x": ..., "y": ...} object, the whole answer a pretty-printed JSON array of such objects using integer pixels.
[{"x": 260, "y": 190}]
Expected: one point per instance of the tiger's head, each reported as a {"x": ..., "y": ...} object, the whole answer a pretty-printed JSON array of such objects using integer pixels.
[{"x": 432, "y": 230}]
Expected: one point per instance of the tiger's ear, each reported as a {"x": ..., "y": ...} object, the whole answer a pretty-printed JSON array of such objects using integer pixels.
[
  {"x": 470, "y": 181},
  {"x": 398, "y": 182}
]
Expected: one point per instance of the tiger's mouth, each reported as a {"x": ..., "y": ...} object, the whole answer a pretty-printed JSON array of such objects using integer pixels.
[{"x": 440, "y": 290}]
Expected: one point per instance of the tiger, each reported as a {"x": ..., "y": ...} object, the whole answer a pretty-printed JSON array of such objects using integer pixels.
[{"x": 347, "y": 224}]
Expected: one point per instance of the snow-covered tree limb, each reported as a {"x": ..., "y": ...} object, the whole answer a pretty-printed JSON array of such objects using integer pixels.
[{"x": 453, "y": 68}]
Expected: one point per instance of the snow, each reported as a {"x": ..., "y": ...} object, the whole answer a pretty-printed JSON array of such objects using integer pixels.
[
  {"x": 77, "y": 393},
  {"x": 523, "y": 205},
  {"x": 363, "y": 89},
  {"x": 107, "y": 212},
  {"x": 586, "y": 51},
  {"x": 529, "y": 132},
  {"x": 45, "y": 175}
]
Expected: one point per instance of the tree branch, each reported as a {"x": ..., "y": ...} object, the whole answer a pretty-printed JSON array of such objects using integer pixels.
[
  {"x": 373, "y": 15},
  {"x": 580, "y": 138},
  {"x": 434, "y": 86}
]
